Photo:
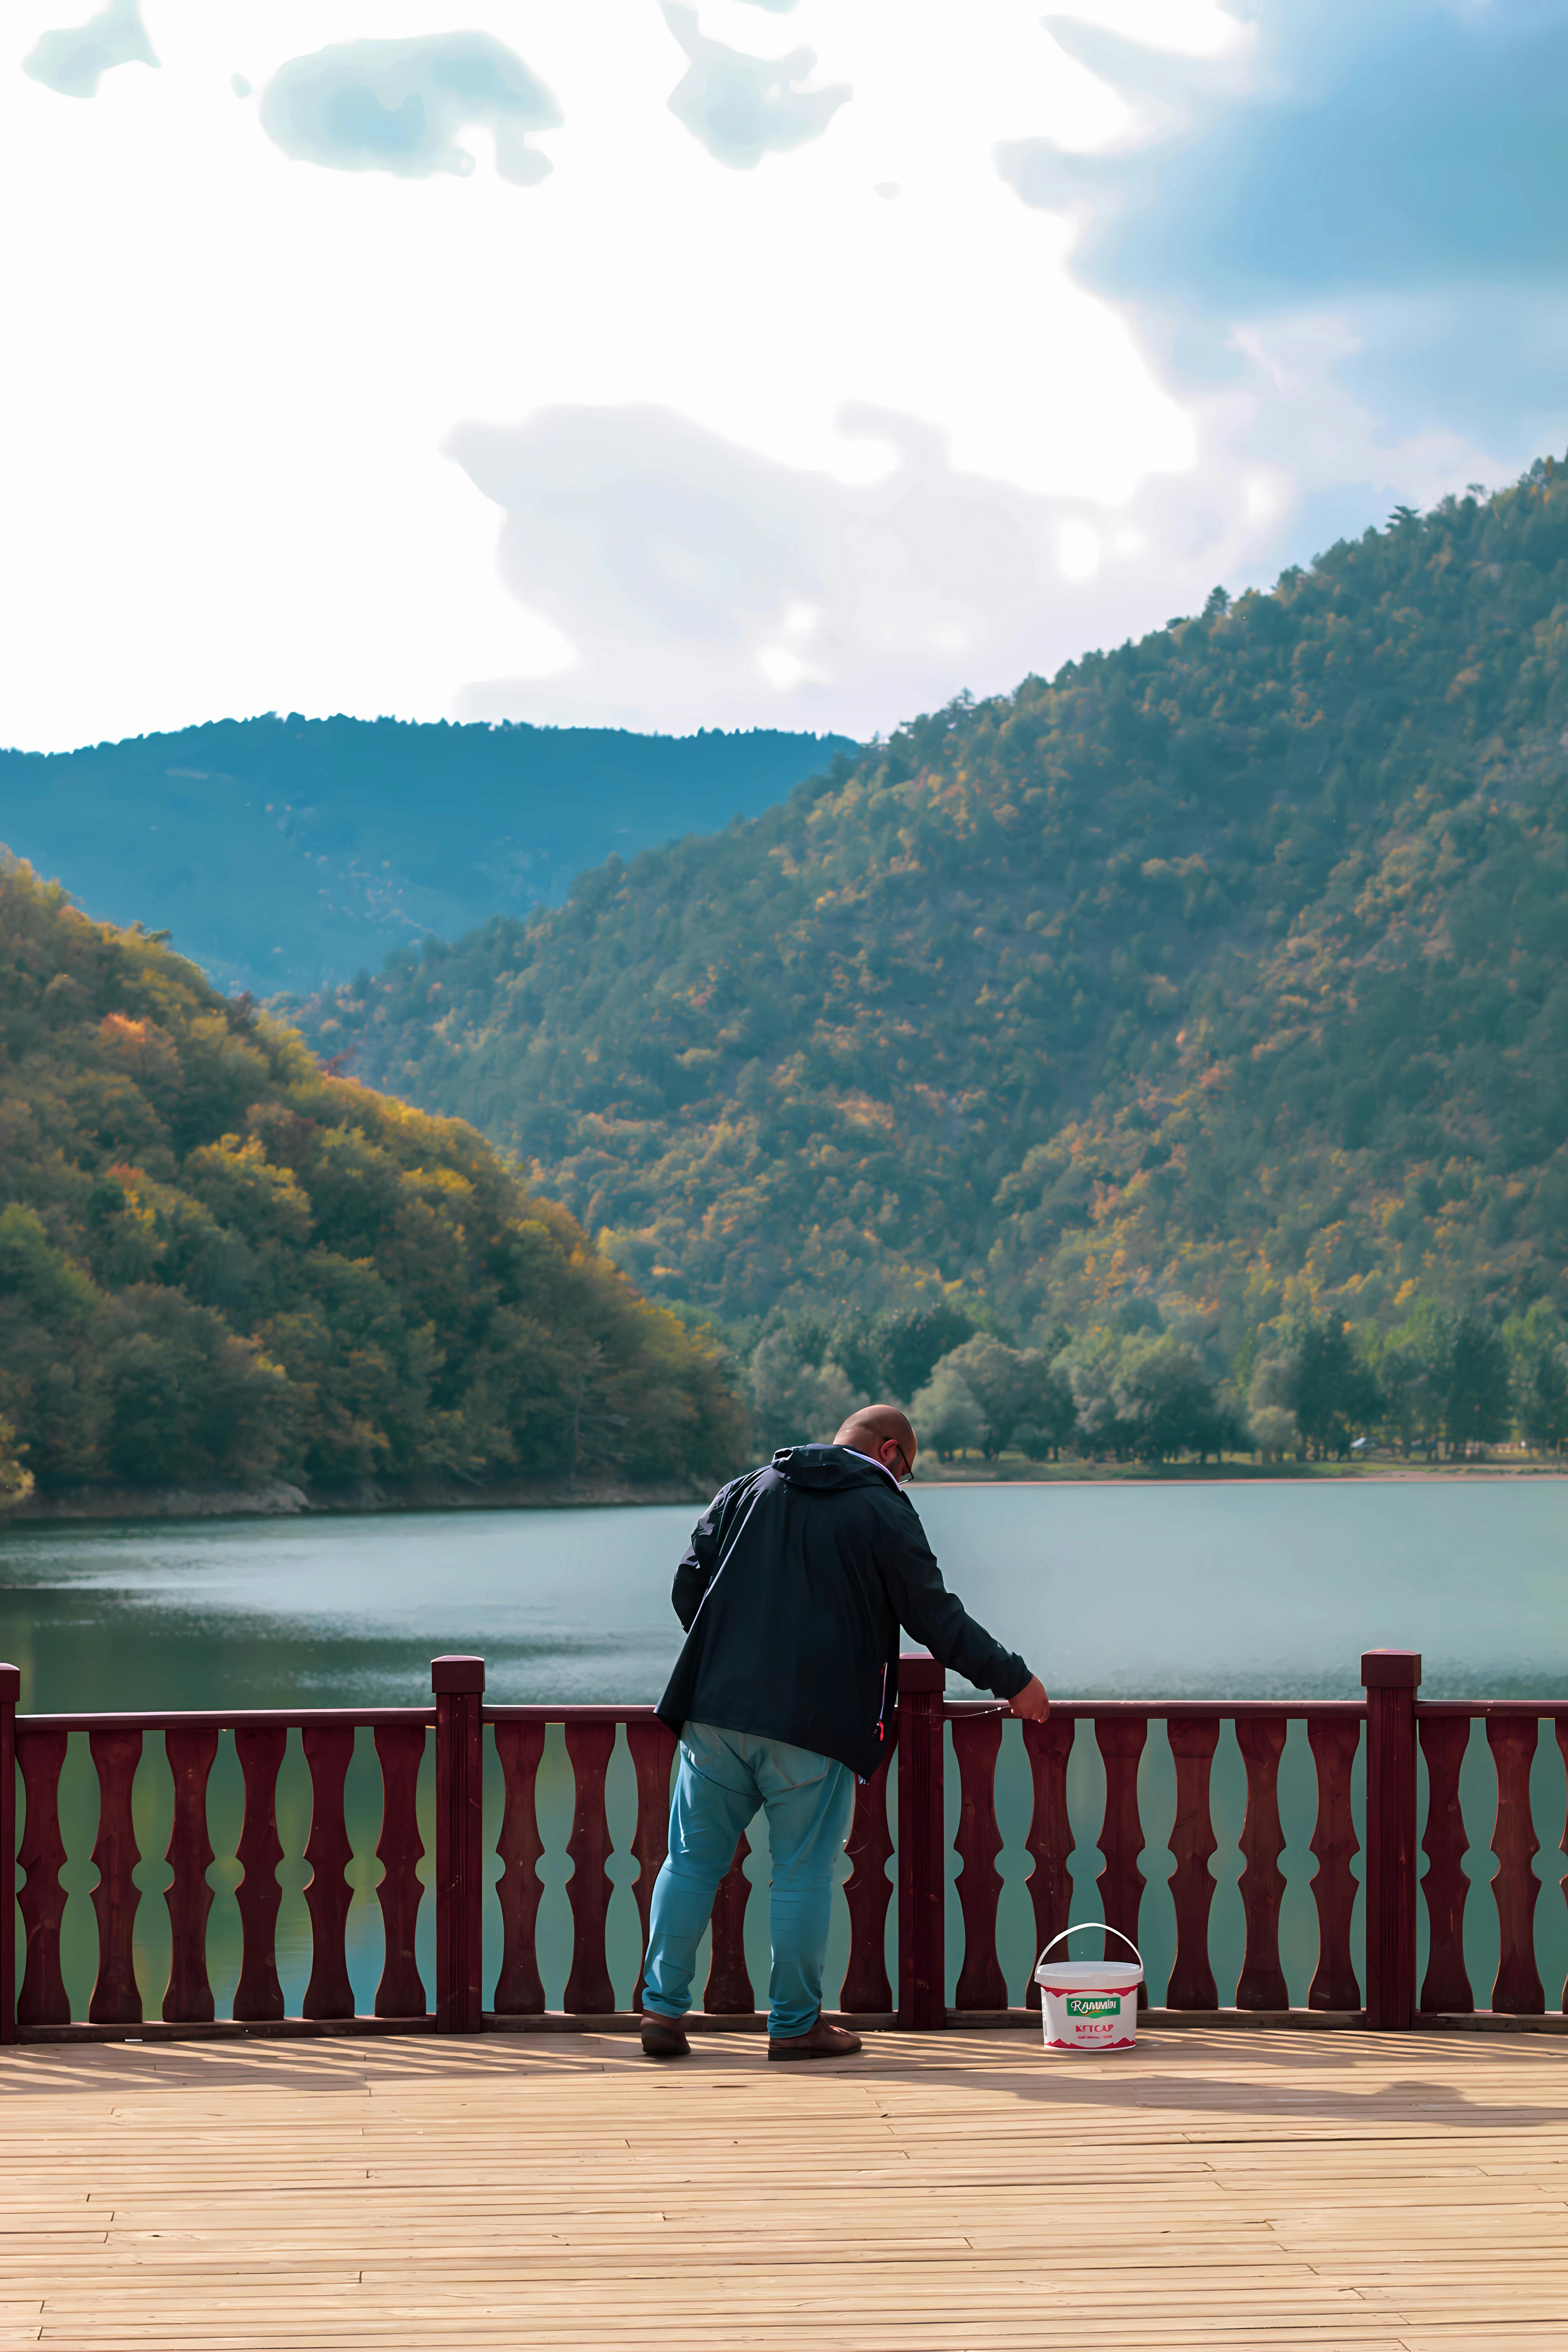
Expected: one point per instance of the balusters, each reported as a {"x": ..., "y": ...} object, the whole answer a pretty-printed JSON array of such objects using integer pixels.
[
  {"x": 652, "y": 1748},
  {"x": 729, "y": 1989},
  {"x": 1193, "y": 1739},
  {"x": 975, "y": 1742},
  {"x": 188, "y": 1995},
  {"x": 1121, "y": 1739},
  {"x": 1333, "y": 1741},
  {"x": 258, "y": 1996},
  {"x": 1047, "y": 1746},
  {"x": 520, "y": 1991},
  {"x": 867, "y": 1991},
  {"x": 116, "y": 1999},
  {"x": 1517, "y": 1991},
  {"x": 1262, "y": 1739},
  {"x": 1444, "y": 1741},
  {"x": 329, "y": 1749},
  {"x": 42, "y": 2001},
  {"x": 589, "y": 1991},
  {"x": 400, "y": 1752}
]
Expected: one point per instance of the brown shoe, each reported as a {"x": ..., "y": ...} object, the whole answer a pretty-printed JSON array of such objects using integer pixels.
[
  {"x": 662, "y": 2037},
  {"x": 819, "y": 2040}
]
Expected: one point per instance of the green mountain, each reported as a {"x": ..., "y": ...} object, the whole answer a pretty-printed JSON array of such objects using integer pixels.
[
  {"x": 1221, "y": 976},
  {"x": 283, "y": 852},
  {"x": 219, "y": 1264}
]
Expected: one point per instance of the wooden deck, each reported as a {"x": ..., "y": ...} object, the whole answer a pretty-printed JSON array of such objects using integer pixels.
[{"x": 942, "y": 2193}]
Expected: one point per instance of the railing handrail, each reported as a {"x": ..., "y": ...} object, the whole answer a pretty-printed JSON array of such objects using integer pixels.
[
  {"x": 1158, "y": 1710},
  {"x": 1078, "y": 1710},
  {"x": 243, "y": 1718},
  {"x": 1543, "y": 1710},
  {"x": 588, "y": 1712}
]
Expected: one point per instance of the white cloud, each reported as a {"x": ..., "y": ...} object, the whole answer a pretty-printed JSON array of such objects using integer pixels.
[
  {"x": 700, "y": 580},
  {"x": 73, "y": 61},
  {"x": 402, "y": 107},
  {"x": 744, "y": 107}
]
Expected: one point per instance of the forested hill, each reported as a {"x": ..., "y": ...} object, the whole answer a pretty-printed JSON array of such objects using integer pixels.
[
  {"x": 283, "y": 852},
  {"x": 219, "y": 1264},
  {"x": 1225, "y": 969}
]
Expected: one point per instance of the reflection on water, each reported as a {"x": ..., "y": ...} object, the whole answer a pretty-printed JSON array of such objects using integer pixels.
[
  {"x": 1223, "y": 1591},
  {"x": 565, "y": 1605}
]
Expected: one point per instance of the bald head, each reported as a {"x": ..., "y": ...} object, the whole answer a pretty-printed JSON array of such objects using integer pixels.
[{"x": 884, "y": 1433}]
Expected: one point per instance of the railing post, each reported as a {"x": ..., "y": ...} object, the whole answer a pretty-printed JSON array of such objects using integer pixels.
[
  {"x": 10, "y": 1692},
  {"x": 1390, "y": 1679},
  {"x": 922, "y": 1825},
  {"x": 459, "y": 1685}
]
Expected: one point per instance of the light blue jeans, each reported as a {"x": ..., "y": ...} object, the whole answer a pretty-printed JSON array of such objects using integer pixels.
[{"x": 725, "y": 1779}]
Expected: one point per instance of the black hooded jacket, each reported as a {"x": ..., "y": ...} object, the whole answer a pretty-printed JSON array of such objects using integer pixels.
[{"x": 792, "y": 1593}]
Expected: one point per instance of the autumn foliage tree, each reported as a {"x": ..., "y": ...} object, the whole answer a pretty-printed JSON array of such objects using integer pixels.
[{"x": 218, "y": 1264}]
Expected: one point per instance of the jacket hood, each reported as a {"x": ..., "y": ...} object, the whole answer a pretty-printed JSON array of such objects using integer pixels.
[{"x": 829, "y": 1468}]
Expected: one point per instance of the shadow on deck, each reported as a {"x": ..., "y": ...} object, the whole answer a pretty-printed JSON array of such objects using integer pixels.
[{"x": 1226, "y": 2190}]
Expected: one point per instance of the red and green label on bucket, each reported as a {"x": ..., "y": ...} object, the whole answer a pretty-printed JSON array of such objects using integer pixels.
[{"x": 1092, "y": 2004}]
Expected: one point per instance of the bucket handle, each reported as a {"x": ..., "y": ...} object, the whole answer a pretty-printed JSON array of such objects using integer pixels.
[{"x": 1104, "y": 1929}]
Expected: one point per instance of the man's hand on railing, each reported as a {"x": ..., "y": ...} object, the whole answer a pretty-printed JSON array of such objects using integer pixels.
[{"x": 1031, "y": 1702}]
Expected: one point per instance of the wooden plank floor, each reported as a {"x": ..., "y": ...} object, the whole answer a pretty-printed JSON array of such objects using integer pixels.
[{"x": 953, "y": 2193}]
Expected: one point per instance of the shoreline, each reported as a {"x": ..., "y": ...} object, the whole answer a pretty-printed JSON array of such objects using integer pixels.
[{"x": 279, "y": 1499}]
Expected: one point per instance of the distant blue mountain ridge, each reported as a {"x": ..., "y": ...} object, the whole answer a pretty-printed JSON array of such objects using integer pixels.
[{"x": 283, "y": 854}]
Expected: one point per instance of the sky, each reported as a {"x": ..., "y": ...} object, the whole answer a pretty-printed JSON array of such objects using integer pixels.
[{"x": 781, "y": 362}]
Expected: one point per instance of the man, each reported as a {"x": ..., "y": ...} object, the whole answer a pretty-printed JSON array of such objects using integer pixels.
[{"x": 792, "y": 1593}]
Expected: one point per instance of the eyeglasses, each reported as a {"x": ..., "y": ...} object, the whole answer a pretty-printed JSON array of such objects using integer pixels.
[{"x": 908, "y": 1470}]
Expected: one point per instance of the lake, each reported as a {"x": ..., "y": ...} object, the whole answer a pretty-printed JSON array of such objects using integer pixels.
[{"x": 1264, "y": 1590}]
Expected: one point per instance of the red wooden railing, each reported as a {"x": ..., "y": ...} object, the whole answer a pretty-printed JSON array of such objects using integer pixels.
[
  {"x": 38, "y": 1743},
  {"x": 1514, "y": 1729},
  {"x": 1399, "y": 1728}
]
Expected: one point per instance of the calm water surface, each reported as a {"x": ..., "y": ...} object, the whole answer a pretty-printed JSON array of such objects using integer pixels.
[{"x": 1159, "y": 1590}]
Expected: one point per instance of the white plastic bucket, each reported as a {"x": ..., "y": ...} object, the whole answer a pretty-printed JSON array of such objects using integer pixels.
[{"x": 1090, "y": 2004}]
